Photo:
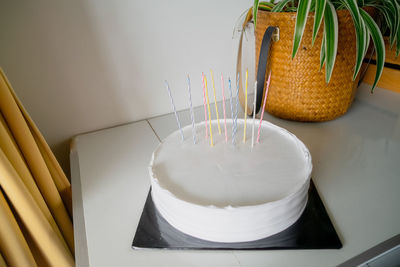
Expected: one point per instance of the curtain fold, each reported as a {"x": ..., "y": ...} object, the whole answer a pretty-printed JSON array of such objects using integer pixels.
[
  {"x": 33, "y": 188},
  {"x": 2, "y": 261},
  {"x": 9, "y": 147},
  {"x": 58, "y": 175},
  {"x": 16, "y": 249}
]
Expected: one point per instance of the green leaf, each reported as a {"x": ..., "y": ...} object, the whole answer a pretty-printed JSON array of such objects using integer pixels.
[
  {"x": 396, "y": 24},
  {"x": 379, "y": 44},
  {"x": 265, "y": 8},
  {"x": 255, "y": 10},
  {"x": 319, "y": 13},
  {"x": 340, "y": 6},
  {"x": 398, "y": 43},
  {"x": 397, "y": 38},
  {"x": 351, "y": 5},
  {"x": 331, "y": 30},
  {"x": 266, "y": 4},
  {"x": 280, "y": 5},
  {"x": 322, "y": 53},
  {"x": 301, "y": 19},
  {"x": 367, "y": 39},
  {"x": 384, "y": 10},
  {"x": 312, "y": 6},
  {"x": 393, "y": 11}
]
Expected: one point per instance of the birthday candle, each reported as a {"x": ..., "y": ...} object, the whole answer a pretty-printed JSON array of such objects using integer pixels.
[
  {"x": 173, "y": 106},
  {"x": 205, "y": 105},
  {"x": 245, "y": 109},
  {"x": 230, "y": 91},
  {"x": 223, "y": 101},
  {"x": 191, "y": 111},
  {"x": 209, "y": 112},
  {"x": 254, "y": 114},
  {"x": 263, "y": 108},
  {"x": 236, "y": 110},
  {"x": 215, "y": 102}
]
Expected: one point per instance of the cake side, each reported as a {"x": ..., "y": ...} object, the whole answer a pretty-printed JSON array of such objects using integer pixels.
[{"x": 243, "y": 221}]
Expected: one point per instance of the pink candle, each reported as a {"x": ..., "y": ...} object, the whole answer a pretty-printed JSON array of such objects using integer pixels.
[
  {"x": 223, "y": 101},
  {"x": 263, "y": 108},
  {"x": 205, "y": 104}
]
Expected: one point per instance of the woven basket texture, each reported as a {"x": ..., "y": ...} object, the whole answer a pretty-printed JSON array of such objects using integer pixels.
[{"x": 298, "y": 90}]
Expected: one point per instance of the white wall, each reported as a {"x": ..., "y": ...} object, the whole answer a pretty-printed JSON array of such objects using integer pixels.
[{"x": 84, "y": 65}]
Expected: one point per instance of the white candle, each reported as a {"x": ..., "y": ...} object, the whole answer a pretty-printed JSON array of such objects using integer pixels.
[
  {"x": 191, "y": 111},
  {"x": 245, "y": 108},
  {"x": 173, "y": 106},
  {"x": 215, "y": 101}
]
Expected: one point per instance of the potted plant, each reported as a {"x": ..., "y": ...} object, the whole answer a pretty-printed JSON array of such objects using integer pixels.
[{"x": 317, "y": 33}]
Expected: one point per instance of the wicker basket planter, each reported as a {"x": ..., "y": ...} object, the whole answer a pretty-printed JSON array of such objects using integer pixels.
[{"x": 298, "y": 90}]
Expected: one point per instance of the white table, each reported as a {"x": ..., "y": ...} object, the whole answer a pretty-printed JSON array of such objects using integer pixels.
[{"x": 356, "y": 162}]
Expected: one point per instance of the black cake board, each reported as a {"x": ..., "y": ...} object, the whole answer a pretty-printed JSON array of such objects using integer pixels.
[{"x": 313, "y": 230}]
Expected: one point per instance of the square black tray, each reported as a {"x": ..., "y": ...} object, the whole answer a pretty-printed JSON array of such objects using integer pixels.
[{"x": 313, "y": 230}]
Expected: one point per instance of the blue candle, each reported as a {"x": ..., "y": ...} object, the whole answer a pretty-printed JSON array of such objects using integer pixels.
[{"x": 237, "y": 110}]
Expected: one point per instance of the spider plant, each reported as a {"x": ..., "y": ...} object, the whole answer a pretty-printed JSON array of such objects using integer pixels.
[{"x": 365, "y": 27}]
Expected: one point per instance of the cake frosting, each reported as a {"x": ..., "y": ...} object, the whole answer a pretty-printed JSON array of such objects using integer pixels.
[{"x": 231, "y": 193}]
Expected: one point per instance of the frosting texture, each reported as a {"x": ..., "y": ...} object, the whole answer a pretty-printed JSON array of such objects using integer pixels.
[{"x": 231, "y": 193}]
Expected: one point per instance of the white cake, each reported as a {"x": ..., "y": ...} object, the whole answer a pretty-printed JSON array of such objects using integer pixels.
[{"x": 231, "y": 193}]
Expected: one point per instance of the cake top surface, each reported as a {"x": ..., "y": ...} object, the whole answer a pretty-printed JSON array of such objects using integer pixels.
[{"x": 227, "y": 175}]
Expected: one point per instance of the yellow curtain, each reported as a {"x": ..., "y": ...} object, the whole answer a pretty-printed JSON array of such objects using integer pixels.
[{"x": 35, "y": 195}]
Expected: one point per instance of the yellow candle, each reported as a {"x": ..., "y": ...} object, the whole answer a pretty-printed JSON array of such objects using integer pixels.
[
  {"x": 209, "y": 112},
  {"x": 215, "y": 102},
  {"x": 245, "y": 108}
]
